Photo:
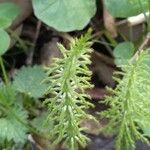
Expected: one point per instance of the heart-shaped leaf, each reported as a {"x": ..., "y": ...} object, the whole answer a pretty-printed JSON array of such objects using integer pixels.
[{"x": 65, "y": 15}]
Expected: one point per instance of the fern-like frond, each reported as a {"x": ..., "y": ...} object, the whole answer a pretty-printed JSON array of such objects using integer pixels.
[
  {"x": 130, "y": 103},
  {"x": 69, "y": 77}
]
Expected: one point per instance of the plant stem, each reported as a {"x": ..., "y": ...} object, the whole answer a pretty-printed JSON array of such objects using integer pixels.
[
  {"x": 4, "y": 70},
  {"x": 16, "y": 37},
  {"x": 146, "y": 17},
  {"x": 149, "y": 14},
  {"x": 30, "y": 127}
]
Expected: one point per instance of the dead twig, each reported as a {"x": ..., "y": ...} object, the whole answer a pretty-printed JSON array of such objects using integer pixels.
[
  {"x": 142, "y": 46},
  {"x": 29, "y": 59},
  {"x": 145, "y": 42}
]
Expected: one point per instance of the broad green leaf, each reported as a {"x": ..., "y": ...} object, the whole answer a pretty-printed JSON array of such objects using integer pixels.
[
  {"x": 10, "y": 114},
  {"x": 126, "y": 8},
  {"x": 7, "y": 94},
  {"x": 11, "y": 128},
  {"x": 8, "y": 12},
  {"x": 28, "y": 80},
  {"x": 4, "y": 22},
  {"x": 123, "y": 52},
  {"x": 65, "y": 15},
  {"x": 42, "y": 124},
  {"x": 4, "y": 41}
]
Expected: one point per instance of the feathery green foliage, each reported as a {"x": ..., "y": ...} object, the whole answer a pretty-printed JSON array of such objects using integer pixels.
[
  {"x": 69, "y": 77},
  {"x": 130, "y": 103}
]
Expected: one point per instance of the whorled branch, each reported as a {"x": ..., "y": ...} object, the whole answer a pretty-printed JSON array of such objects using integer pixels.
[
  {"x": 129, "y": 105},
  {"x": 69, "y": 77}
]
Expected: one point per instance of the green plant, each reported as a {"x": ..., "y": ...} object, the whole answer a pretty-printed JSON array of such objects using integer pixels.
[
  {"x": 129, "y": 104},
  {"x": 123, "y": 52},
  {"x": 6, "y": 18},
  {"x": 65, "y": 15},
  {"x": 68, "y": 78},
  {"x": 14, "y": 97},
  {"x": 71, "y": 15},
  {"x": 28, "y": 80},
  {"x": 8, "y": 12},
  {"x": 12, "y": 115},
  {"x": 118, "y": 8}
]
